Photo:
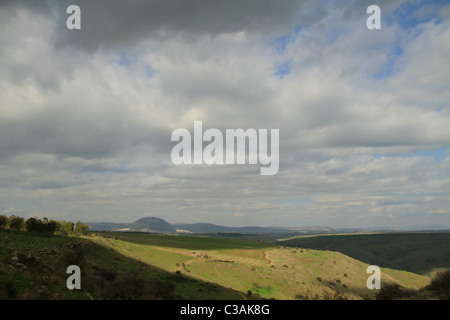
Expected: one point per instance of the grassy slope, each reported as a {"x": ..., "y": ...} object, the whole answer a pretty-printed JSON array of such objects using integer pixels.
[
  {"x": 34, "y": 267},
  {"x": 140, "y": 266},
  {"x": 266, "y": 269},
  {"x": 414, "y": 252}
]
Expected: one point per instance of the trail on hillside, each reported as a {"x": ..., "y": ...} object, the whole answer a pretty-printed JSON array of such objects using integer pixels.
[{"x": 264, "y": 255}]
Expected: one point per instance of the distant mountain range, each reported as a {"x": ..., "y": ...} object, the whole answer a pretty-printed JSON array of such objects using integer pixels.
[
  {"x": 146, "y": 224},
  {"x": 158, "y": 225}
]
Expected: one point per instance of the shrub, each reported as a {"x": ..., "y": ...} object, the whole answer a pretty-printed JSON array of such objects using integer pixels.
[
  {"x": 36, "y": 225},
  {"x": 106, "y": 273},
  {"x": 74, "y": 254},
  {"x": 128, "y": 287},
  {"x": 8, "y": 289},
  {"x": 16, "y": 223},
  {"x": 3, "y": 222},
  {"x": 80, "y": 228},
  {"x": 164, "y": 289},
  {"x": 51, "y": 227},
  {"x": 394, "y": 292},
  {"x": 441, "y": 284},
  {"x": 65, "y": 228}
]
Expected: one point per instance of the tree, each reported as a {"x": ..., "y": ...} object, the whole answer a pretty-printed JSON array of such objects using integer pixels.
[
  {"x": 32, "y": 224},
  {"x": 16, "y": 223},
  {"x": 36, "y": 225},
  {"x": 52, "y": 226},
  {"x": 3, "y": 221},
  {"x": 80, "y": 228},
  {"x": 65, "y": 228}
]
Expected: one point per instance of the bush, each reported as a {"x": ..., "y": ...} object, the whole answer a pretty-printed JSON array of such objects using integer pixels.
[
  {"x": 130, "y": 286},
  {"x": 74, "y": 254},
  {"x": 164, "y": 289},
  {"x": 106, "y": 273},
  {"x": 441, "y": 284},
  {"x": 80, "y": 228},
  {"x": 16, "y": 223},
  {"x": 52, "y": 226},
  {"x": 36, "y": 225},
  {"x": 394, "y": 292},
  {"x": 65, "y": 228},
  {"x": 8, "y": 289},
  {"x": 3, "y": 222}
]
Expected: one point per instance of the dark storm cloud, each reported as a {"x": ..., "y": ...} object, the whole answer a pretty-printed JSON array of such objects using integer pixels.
[
  {"x": 120, "y": 24},
  {"x": 112, "y": 24}
]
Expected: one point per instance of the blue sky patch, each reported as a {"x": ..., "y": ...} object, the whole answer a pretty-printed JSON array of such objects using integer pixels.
[
  {"x": 283, "y": 69},
  {"x": 391, "y": 66},
  {"x": 281, "y": 43},
  {"x": 438, "y": 155},
  {"x": 410, "y": 15},
  {"x": 124, "y": 59}
]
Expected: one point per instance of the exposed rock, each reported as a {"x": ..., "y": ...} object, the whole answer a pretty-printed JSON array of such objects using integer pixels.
[
  {"x": 21, "y": 266},
  {"x": 42, "y": 289}
]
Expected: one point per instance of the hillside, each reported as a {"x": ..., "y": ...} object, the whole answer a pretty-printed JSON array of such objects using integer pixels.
[
  {"x": 152, "y": 225},
  {"x": 257, "y": 268},
  {"x": 146, "y": 224},
  {"x": 414, "y": 252},
  {"x": 159, "y": 225},
  {"x": 33, "y": 267},
  {"x": 106, "y": 226},
  {"x": 205, "y": 228},
  {"x": 150, "y": 266}
]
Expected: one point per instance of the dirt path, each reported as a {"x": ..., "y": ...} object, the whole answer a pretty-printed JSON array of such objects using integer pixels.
[{"x": 264, "y": 255}]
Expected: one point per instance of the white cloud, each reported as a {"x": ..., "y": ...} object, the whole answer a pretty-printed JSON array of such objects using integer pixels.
[{"x": 87, "y": 137}]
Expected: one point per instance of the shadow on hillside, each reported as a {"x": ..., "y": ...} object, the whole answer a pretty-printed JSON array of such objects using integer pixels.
[
  {"x": 34, "y": 268},
  {"x": 414, "y": 252},
  {"x": 190, "y": 242}
]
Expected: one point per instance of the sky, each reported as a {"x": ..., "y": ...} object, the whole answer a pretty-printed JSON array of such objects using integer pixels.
[{"x": 86, "y": 115}]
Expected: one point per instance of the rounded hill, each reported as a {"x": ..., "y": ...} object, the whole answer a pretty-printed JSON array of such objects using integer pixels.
[{"x": 151, "y": 224}]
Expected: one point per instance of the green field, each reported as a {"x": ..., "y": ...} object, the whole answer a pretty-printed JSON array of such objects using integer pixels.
[
  {"x": 420, "y": 253},
  {"x": 266, "y": 270},
  {"x": 146, "y": 266}
]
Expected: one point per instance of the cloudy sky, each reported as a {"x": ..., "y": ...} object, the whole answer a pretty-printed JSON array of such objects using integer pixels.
[{"x": 86, "y": 115}]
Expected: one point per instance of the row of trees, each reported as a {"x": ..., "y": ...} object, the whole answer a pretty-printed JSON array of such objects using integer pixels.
[{"x": 44, "y": 226}]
